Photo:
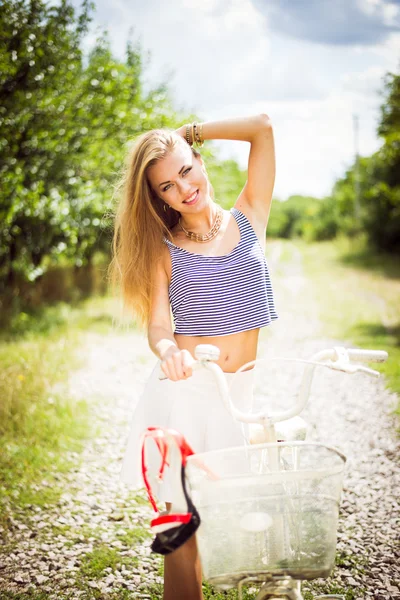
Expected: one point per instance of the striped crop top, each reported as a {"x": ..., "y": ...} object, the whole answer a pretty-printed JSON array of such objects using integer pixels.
[{"x": 221, "y": 295}]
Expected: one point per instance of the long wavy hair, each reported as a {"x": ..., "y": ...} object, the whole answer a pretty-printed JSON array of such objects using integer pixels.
[{"x": 141, "y": 224}]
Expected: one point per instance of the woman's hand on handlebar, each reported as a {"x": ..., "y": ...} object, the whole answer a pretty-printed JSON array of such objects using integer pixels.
[{"x": 177, "y": 364}]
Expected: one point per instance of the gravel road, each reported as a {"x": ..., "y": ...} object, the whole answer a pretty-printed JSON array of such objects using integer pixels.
[{"x": 51, "y": 550}]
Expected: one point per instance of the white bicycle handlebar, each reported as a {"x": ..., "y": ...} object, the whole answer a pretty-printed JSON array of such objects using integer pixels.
[{"x": 337, "y": 358}]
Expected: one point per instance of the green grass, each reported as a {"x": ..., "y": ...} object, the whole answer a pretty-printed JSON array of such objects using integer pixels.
[
  {"x": 309, "y": 590},
  {"x": 93, "y": 564},
  {"x": 211, "y": 593},
  {"x": 39, "y": 424},
  {"x": 131, "y": 537},
  {"x": 75, "y": 533},
  {"x": 91, "y": 594},
  {"x": 140, "y": 500},
  {"x": 93, "y": 567},
  {"x": 332, "y": 588},
  {"x": 8, "y": 595},
  {"x": 99, "y": 313},
  {"x": 155, "y": 592},
  {"x": 356, "y": 253},
  {"x": 351, "y": 561},
  {"x": 357, "y": 296},
  {"x": 355, "y": 292}
]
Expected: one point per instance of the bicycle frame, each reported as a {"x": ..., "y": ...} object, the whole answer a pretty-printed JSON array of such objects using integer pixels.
[{"x": 281, "y": 587}]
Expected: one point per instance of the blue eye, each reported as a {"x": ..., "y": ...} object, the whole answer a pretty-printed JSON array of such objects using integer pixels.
[{"x": 168, "y": 186}]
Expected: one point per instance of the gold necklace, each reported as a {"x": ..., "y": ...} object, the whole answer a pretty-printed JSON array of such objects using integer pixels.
[{"x": 205, "y": 237}]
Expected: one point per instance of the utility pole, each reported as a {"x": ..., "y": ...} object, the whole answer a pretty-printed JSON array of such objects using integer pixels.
[{"x": 356, "y": 172}]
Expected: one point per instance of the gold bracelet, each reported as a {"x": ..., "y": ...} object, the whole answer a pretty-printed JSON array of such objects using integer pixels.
[
  {"x": 193, "y": 133},
  {"x": 199, "y": 135},
  {"x": 195, "y": 139},
  {"x": 188, "y": 135}
]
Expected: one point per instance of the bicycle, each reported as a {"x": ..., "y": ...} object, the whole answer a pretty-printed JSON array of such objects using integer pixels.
[{"x": 273, "y": 504}]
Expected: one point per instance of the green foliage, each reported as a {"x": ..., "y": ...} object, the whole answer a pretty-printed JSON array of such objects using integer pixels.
[
  {"x": 379, "y": 180},
  {"x": 65, "y": 126},
  {"x": 64, "y": 130},
  {"x": 378, "y": 213},
  {"x": 278, "y": 224},
  {"x": 39, "y": 140},
  {"x": 228, "y": 180},
  {"x": 390, "y": 110},
  {"x": 381, "y": 199},
  {"x": 66, "y": 122},
  {"x": 284, "y": 223},
  {"x": 302, "y": 216}
]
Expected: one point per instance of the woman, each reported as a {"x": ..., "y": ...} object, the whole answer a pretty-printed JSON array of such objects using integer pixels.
[{"x": 176, "y": 248}]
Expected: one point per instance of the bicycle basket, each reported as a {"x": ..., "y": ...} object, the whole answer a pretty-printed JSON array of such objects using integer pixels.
[{"x": 271, "y": 508}]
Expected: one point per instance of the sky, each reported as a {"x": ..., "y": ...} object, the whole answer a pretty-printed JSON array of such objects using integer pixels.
[{"x": 311, "y": 65}]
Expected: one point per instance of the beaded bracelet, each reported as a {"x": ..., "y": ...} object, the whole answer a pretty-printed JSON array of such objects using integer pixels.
[
  {"x": 197, "y": 131},
  {"x": 197, "y": 137}
]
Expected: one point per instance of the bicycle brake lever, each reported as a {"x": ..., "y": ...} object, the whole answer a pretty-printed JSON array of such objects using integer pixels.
[
  {"x": 369, "y": 371},
  {"x": 347, "y": 367}
]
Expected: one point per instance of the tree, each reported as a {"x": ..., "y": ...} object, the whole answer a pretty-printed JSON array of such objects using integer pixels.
[
  {"x": 39, "y": 145},
  {"x": 381, "y": 200},
  {"x": 64, "y": 128}
]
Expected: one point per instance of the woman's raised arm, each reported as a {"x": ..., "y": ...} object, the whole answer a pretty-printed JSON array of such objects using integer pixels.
[{"x": 256, "y": 129}]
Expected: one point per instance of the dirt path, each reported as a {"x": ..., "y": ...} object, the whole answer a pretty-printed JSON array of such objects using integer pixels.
[{"x": 95, "y": 542}]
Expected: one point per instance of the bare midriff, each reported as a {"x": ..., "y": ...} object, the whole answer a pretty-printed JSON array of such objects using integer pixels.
[{"x": 235, "y": 349}]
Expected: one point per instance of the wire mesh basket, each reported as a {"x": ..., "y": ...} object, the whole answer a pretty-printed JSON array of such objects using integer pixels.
[{"x": 270, "y": 508}]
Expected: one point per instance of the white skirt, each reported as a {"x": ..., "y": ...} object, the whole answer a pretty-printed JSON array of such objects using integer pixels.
[{"x": 194, "y": 408}]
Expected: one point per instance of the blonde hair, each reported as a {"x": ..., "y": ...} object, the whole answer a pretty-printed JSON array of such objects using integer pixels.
[{"x": 141, "y": 224}]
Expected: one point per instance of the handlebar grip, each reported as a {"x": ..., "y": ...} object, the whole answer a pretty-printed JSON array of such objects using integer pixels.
[{"x": 358, "y": 355}]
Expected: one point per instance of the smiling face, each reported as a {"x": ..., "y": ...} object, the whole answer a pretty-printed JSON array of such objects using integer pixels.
[{"x": 180, "y": 180}]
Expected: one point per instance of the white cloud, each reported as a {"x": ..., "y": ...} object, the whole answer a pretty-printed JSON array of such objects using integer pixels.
[
  {"x": 323, "y": 22},
  {"x": 227, "y": 63},
  {"x": 366, "y": 83},
  {"x": 388, "y": 11},
  {"x": 388, "y": 51},
  {"x": 391, "y": 14},
  {"x": 314, "y": 140}
]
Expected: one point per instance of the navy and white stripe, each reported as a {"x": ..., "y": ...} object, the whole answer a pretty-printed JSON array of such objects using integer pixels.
[{"x": 221, "y": 295}]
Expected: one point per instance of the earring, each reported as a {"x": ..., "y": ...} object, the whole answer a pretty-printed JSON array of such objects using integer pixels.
[{"x": 166, "y": 207}]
